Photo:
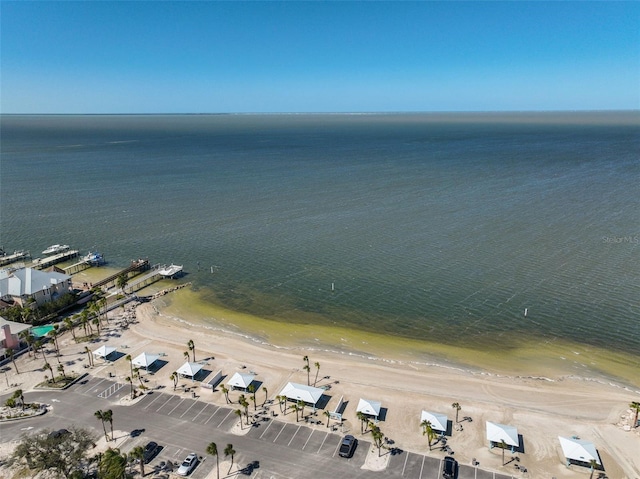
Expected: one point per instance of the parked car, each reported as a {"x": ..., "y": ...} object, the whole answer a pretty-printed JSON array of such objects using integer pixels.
[
  {"x": 450, "y": 468},
  {"x": 347, "y": 446},
  {"x": 188, "y": 464},
  {"x": 150, "y": 450}
]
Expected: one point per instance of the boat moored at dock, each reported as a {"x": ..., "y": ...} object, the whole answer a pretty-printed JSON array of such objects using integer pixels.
[{"x": 56, "y": 249}]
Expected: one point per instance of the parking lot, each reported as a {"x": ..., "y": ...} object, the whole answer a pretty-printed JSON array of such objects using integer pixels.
[{"x": 313, "y": 445}]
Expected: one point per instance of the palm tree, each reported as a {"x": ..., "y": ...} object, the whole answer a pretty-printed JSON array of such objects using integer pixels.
[
  {"x": 264, "y": 389},
  {"x": 88, "y": 351},
  {"x": 186, "y": 355},
  {"x": 363, "y": 419},
  {"x": 252, "y": 390},
  {"x": 317, "y": 365},
  {"x": 282, "y": 400},
  {"x": 69, "y": 324},
  {"x": 328, "y": 414},
  {"x": 212, "y": 449},
  {"x": 130, "y": 381},
  {"x": 108, "y": 417},
  {"x": 428, "y": 430},
  {"x": 48, "y": 366},
  {"x": 593, "y": 465},
  {"x": 238, "y": 412},
  {"x": 229, "y": 451},
  {"x": 100, "y": 415},
  {"x": 37, "y": 346},
  {"x": 503, "y": 445},
  {"x": 84, "y": 321},
  {"x": 61, "y": 371},
  {"x": 138, "y": 453},
  {"x": 225, "y": 390},
  {"x": 19, "y": 395},
  {"x": 122, "y": 282},
  {"x": 635, "y": 405},
  {"x": 29, "y": 339},
  {"x": 174, "y": 378},
  {"x": 377, "y": 436},
  {"x": 192, "y": 348},
  {"x": 301, "y": 405},
  {"x": 9, "y": 352},
  {"x": 113, "y": 464},
  {"x": 307, "y": 368},
  {"x": 54, "y": 334},
  {"x": 128, "y": 358},
  {"x": 102, "y": 302},
  {"x": 245, "y": 404},
  {"x": 296, "y": 408},
  {"x": 138, "y": 376},
  {"x": 457, "y": 407}
]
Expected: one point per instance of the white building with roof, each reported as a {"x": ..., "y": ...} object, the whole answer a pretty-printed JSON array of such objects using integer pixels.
[{"x": 29, "y": 283}]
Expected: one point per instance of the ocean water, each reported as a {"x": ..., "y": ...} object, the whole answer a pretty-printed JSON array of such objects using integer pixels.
[{"x": 442, "y": 227}]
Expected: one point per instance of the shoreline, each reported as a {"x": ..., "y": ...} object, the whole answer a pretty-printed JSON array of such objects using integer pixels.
[
  {"x": 532, "y": 361},
  {"x": 540, "y": 407}
]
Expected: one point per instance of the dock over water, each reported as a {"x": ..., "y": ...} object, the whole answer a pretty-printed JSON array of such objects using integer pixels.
[{"x": 42, "y": 263}]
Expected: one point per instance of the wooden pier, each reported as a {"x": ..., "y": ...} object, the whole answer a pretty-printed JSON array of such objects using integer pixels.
[
  {"x": 42, "y": 263},
  {"x": 14, "y": 257},
  {"x": 156, "y": 273},
  {"x": 135, "y": 268}
]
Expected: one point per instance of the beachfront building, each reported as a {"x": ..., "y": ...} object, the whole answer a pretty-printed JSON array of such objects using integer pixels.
[
  {"x": 189, "y": 370},
  {"x": 241, "y": 381},
  {"x": 104, "y": 352},
  {"x": 10, "y": 334},
  {"x": 145, "y": 360},
  {"x": 369, "y": 408},
  {"x": 499, "y": 433},
  {"x": 439, "y": 422},
  {"x": 26, "y": 284},
  {"x": 299, "y": 392},
  {"x": 579, "y": 452}
]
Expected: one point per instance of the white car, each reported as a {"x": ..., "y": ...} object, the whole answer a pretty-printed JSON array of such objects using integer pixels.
[{"x": 188, "y": 464}]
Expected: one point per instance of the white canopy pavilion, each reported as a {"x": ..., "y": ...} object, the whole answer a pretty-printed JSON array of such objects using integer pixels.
[
  {"x": 300, "y": 392},
  {"x": 145, "y": 360},
  {"x": 104, "y": 351},
  {"x": 438, "y": 422},
  {"x": 189, "y": 369},
  {"x": 578, "y": 450},
  {"x": 496, "y": 433},
  {"x": 368, "y": 407},
  {"x": 241, "y": 381}
]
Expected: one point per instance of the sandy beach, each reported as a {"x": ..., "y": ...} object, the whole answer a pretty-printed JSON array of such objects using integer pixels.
[{"x": 541, "y": 409}]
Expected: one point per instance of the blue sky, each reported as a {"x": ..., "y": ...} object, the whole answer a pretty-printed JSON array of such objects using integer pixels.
[{"x": 207, "y": 57}]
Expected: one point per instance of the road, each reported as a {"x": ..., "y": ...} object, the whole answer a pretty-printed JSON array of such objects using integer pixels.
[{"x": 279, "y": 450}]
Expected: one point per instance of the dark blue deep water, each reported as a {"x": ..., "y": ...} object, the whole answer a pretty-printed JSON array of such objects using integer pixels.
[{"x": 434, "y": 226}]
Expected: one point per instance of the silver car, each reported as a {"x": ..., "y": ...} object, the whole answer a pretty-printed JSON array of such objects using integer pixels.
[{"x": 188, "y": 464}]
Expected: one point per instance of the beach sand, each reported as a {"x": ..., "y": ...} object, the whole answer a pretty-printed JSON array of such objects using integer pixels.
[{"x": 541, "y": 408}]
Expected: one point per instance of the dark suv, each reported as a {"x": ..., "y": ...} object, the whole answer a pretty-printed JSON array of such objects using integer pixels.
[
  {"x": 450, "y": 468},
  {"x": 347, "y": 446},
  {"x": 150, "y": 450}
]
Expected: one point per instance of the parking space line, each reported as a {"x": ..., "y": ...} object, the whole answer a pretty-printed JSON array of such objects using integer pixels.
[
  {"x": 283, "y": 426},
  {"x": 305, "y": 443},
  {"x": 422, "y": 467},
  {"x": 266, "y": 428},
  {"x": 406, "y": 458},
  {"x": 154, "y": 400},
  {"x": 212, "y": 414},
  {"x": 205, "y": 407},
  {"x": 174, "y": 408},
  {"x": 336, "y": 450},
  {"x": 226, "y": 418},
  {"x": 189, "y": 408},
  {"x": 325, "y": 438},
  {"x": 164, "y": 404},
  {"x": 294, "y": 435},
  {"x": 95, "y": 388}
]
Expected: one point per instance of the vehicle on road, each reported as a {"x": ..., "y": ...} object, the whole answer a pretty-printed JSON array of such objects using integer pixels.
[
  {"x": 450, "y": 468},
  {"x": 347, "y": 446},
  {"x": 150, "y": 450},
  {"x": 188, "y": 464}
]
